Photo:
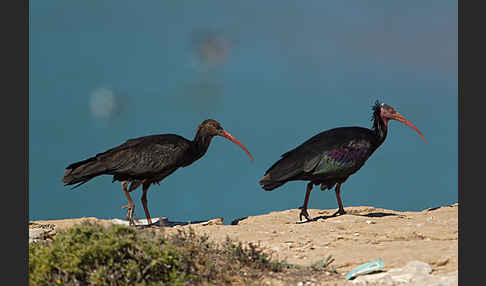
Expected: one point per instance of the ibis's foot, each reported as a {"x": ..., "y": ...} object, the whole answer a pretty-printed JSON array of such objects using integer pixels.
[
  {"x": 129, "y": 216},
  {"x": 339, "y": 212},
  {"x": 304, "y": 213}
]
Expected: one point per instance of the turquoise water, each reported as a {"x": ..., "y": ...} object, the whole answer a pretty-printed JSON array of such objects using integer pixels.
[{"x": 101, "y": 73}]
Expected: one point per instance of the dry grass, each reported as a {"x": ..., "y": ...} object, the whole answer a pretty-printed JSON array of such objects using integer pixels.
[{"x": 90, "y": 254}]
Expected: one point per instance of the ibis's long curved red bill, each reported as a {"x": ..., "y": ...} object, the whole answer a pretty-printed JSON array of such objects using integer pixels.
[
  {"x": 228, "y": 136},
  {"x": 400, "y": 118}
]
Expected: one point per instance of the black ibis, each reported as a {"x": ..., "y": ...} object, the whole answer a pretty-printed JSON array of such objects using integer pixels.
[
  {"x": 146, "y": 160},
  {"x": 330, "y": 157}
]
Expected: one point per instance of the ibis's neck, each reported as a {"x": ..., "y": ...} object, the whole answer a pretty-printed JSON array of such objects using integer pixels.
[
  {"x": 380, "y": 129},
  {"x": 201, "y": 144}
]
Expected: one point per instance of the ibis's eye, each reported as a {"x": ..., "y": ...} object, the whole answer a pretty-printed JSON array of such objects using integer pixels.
[{"x": 388, "y": 108}]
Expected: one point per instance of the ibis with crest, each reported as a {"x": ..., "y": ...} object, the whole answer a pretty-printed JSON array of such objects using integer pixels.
[
  {"x": 330, "y": 157},
  {"x": 147, "y": 160}
]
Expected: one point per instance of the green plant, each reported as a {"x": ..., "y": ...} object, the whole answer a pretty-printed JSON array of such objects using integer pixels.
[
  {"x": 323, "y": 264},
  {"x": 94, "y": 255}
]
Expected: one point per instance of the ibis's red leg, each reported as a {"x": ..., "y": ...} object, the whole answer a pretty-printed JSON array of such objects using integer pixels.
[
  {"x": 338, "y": 197},
  {"x": 144, "y": 203},
  {"x": 303, "y": 208},
  {"x": 131, "y": 205}
]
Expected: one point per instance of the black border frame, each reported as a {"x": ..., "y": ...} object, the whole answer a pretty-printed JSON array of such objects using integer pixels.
[{"x": 15, "y": 143}]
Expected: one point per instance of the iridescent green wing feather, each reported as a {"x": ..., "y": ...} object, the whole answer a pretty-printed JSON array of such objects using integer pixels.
[{"x": 344, "y": 159}]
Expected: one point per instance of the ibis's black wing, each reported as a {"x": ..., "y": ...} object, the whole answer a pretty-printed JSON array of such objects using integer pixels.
[{"x": 147, "y": 157}]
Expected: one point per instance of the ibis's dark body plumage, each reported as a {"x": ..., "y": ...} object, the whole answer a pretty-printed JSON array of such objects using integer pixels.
[
  {"x": 330, "y": 157},
  {"x": 146, "y": 160},
  {"x": 327, "y": 158}
]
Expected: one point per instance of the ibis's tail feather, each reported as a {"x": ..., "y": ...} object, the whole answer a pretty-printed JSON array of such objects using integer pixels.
[
  {"x": 268, "y": 184},
  {"x": 280, "y": 172},
  {"x": 79, "y": 184},
  {"x": 81, "y": 172}
]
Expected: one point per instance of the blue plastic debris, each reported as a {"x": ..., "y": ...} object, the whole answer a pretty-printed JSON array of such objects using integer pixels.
[{"x": 365, "y": 268}]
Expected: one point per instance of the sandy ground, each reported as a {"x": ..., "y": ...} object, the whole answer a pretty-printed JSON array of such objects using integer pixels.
[{"x": 363, "y": 234}]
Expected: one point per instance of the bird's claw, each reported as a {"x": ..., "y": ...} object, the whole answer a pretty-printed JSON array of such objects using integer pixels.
[
  {"x": 304, "y": 213},
  {"x": 129, "y": 214},
  {"x": 339, "y": 212}
]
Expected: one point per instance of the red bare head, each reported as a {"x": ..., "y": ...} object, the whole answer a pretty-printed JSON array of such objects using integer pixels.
[
  {"x": 387, "y": 112},
  {"x": 212, "y": 128}
]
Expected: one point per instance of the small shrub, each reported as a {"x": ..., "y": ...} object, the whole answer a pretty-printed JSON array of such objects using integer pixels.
[
  {"x": 252, "y": 256},
  {"x": 221, "y": 264},
  {"x": 93, "y": 255},
  {"x": 323, "y": 264}
]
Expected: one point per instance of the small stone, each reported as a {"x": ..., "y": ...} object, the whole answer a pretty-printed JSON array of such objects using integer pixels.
[
  {"x": 370, "y": 222},
  {"x": 418, "y": 267},
  {"x": 216, "y": 221},
  {"x": 413, "y": 272},
  {"x": 41, "y": 232},
  {"x": 442, "y": 262},
  {"x": 35, "y": 233}
]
